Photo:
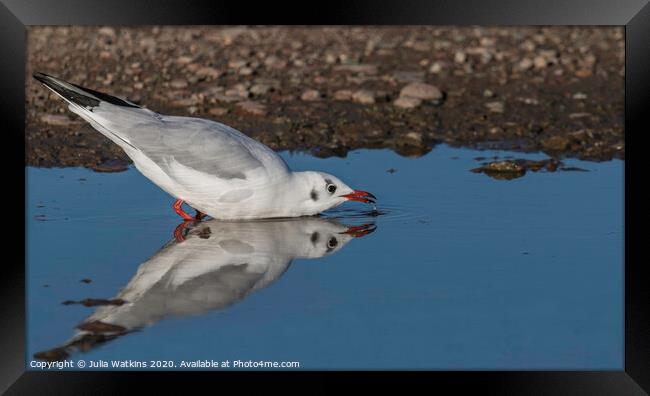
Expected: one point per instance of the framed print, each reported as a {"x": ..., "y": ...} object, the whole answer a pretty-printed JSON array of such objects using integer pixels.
[{"x": 438, "y": 190}]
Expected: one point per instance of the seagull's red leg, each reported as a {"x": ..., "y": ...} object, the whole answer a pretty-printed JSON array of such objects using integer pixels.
[
  {"x": 179, "y": 231},
  {"x": 178, "y": 207}
]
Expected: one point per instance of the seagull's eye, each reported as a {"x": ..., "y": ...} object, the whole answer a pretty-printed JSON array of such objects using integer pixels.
[
  {"x": 332, "y": 243},
  {"x": 331, "y": 188}
]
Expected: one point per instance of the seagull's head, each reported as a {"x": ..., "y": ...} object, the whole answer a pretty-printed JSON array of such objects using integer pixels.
[{"x": 323, "y": 191}]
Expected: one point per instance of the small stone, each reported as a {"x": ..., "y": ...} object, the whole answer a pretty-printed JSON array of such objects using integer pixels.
[
  {"x": 310, "y": 95},
  {"x": 488, "y": 93},
  {"x": 460, "y": 57},
  {"x": 56, "y": 120},
  {"x": 582, "y": 73},
  {"x": 107, "y": 31},
  {"x": 184, "y": 60},
  {"x": 237, "y": 64},
  {"x": 360, "y": 68},
  {"x": 495, "y": 107},
  {"x": 185, "y": 102},
  {"x": 245, "y": 71},
  {"x": 178, "y": 83},
  {"x": 436, "y": 68},
  {"x": 273, "y": 62},
  {"x": 579, "y": 96},
  {"x": 409, "y": 76},
  {"x": 525, "y": 64},
  {"x": 407, "y": 102},
  {"x": 217, "y": 111},
  {"x": 138, "y": 85},
  {"x": 260, "y": 89},
  {"x": 555, "y": 143},
  {"x": 343, "y": 94},
  {"x": 579, "y": 115},
  {"x": 540, "y": 62},
  {"x": 529, "y": 101},
  {"x": 252, "y": 108},
  {"x": 502, "y": 170},
  {"x": 417, "y": 136},
  {"x": 208, "y": 72},
  {"x": 421, "y": 91},
  {"x": 364, "y": 96}
]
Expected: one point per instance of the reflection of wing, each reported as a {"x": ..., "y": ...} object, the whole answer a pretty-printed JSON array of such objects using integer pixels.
[{"x": 179, "y": 144}]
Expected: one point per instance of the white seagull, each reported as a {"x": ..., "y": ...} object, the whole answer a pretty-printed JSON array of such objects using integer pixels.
[{"x": 212, "y": 167}]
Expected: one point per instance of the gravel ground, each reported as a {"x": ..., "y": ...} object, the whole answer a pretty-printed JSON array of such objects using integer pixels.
[{"x": 329, "y": 90}]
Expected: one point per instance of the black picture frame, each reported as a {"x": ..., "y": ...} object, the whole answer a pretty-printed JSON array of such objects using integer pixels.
[{"x": 16, "y": 15}]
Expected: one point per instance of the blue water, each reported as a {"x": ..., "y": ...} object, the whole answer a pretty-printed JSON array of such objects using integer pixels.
[{"x": 462, "y": 272}]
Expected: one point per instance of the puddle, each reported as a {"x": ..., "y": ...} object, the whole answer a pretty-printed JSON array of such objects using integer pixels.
[{"x": 453, "y": 270}]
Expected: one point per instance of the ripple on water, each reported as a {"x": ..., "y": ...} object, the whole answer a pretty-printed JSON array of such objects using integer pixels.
[{"x": 384, "y": 213}]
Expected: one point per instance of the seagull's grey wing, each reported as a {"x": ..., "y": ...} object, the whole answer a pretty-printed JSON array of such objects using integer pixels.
[{"x": 205, "y": 146}]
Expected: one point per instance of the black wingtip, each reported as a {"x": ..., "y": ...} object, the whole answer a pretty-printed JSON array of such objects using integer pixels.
[
  {"x": 82, "y": 96},
  {"x": 40, "y": 76}
]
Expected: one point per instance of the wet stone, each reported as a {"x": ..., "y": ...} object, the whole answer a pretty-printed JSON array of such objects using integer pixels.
[{"x": 421, "y": 91}]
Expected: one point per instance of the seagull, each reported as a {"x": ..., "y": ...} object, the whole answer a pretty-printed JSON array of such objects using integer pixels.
[
  {"x": 213, "y": 168},
  {"x": 219, "y": 264}
]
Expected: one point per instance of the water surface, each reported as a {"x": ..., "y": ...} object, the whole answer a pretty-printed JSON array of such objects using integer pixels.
[{"x": 461, "y": 272}]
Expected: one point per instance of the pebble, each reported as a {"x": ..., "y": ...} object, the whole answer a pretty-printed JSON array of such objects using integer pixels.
[
  {"x": 359, "y": 68},
  {"x": 237, "y": 64},
  {"x": 540, "y": 62},
  {"x": 525, "y": 64},
  {"x": 495, "y": 107},
  {"x": 436, "y": 68},
  {"x": 245, "y": 71},
  {"x": 579, "y": 115},
  {"x": 254, "y": 108},
  {"x": 364, "y": 96},
  {"x": 208, "y": 72},
  {"x": 260, "y": 89},
  {"x": 460, "y": 57},
  {"x": 310, "y": 95},
  {"x": 107, "y": 31},
  {"x": 579, "y": 96},
  {"x": 178, "y": 83},
  {"x": 343, "y": 94},
  {"x": 404, "y": 76},
  {"x": 421, "y": 91},
  {"x": 217, "y": 111},
  {"x": 555, "y": 143},
  {"x": 488, "y": 93},
  {"x": 407, "y": 102},
  {"x": 57, "y": 120},
  {"x": 273, "y": 62}
]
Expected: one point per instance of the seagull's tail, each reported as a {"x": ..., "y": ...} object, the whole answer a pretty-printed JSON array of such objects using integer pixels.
[
  {"x": 80, "y": 96},
  {"x": 111, "y": 116}
]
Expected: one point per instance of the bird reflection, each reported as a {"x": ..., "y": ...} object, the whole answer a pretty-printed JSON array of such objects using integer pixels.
[{"x": 208, "y": 266}]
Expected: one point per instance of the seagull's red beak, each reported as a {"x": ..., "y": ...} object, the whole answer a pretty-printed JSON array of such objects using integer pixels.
[
  {"x": 360, "y": 230},
  {"x": 361, "y": 196}
]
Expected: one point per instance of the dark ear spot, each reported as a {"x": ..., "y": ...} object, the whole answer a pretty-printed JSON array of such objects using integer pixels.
[
  {"x": 314, "y": 237},
  {"x": 314, "y": 195}
]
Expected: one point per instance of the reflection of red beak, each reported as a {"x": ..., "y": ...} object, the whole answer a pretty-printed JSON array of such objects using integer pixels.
[
  {"x": 361, "y": 196},
  {"x": 361, "y": 230}
]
